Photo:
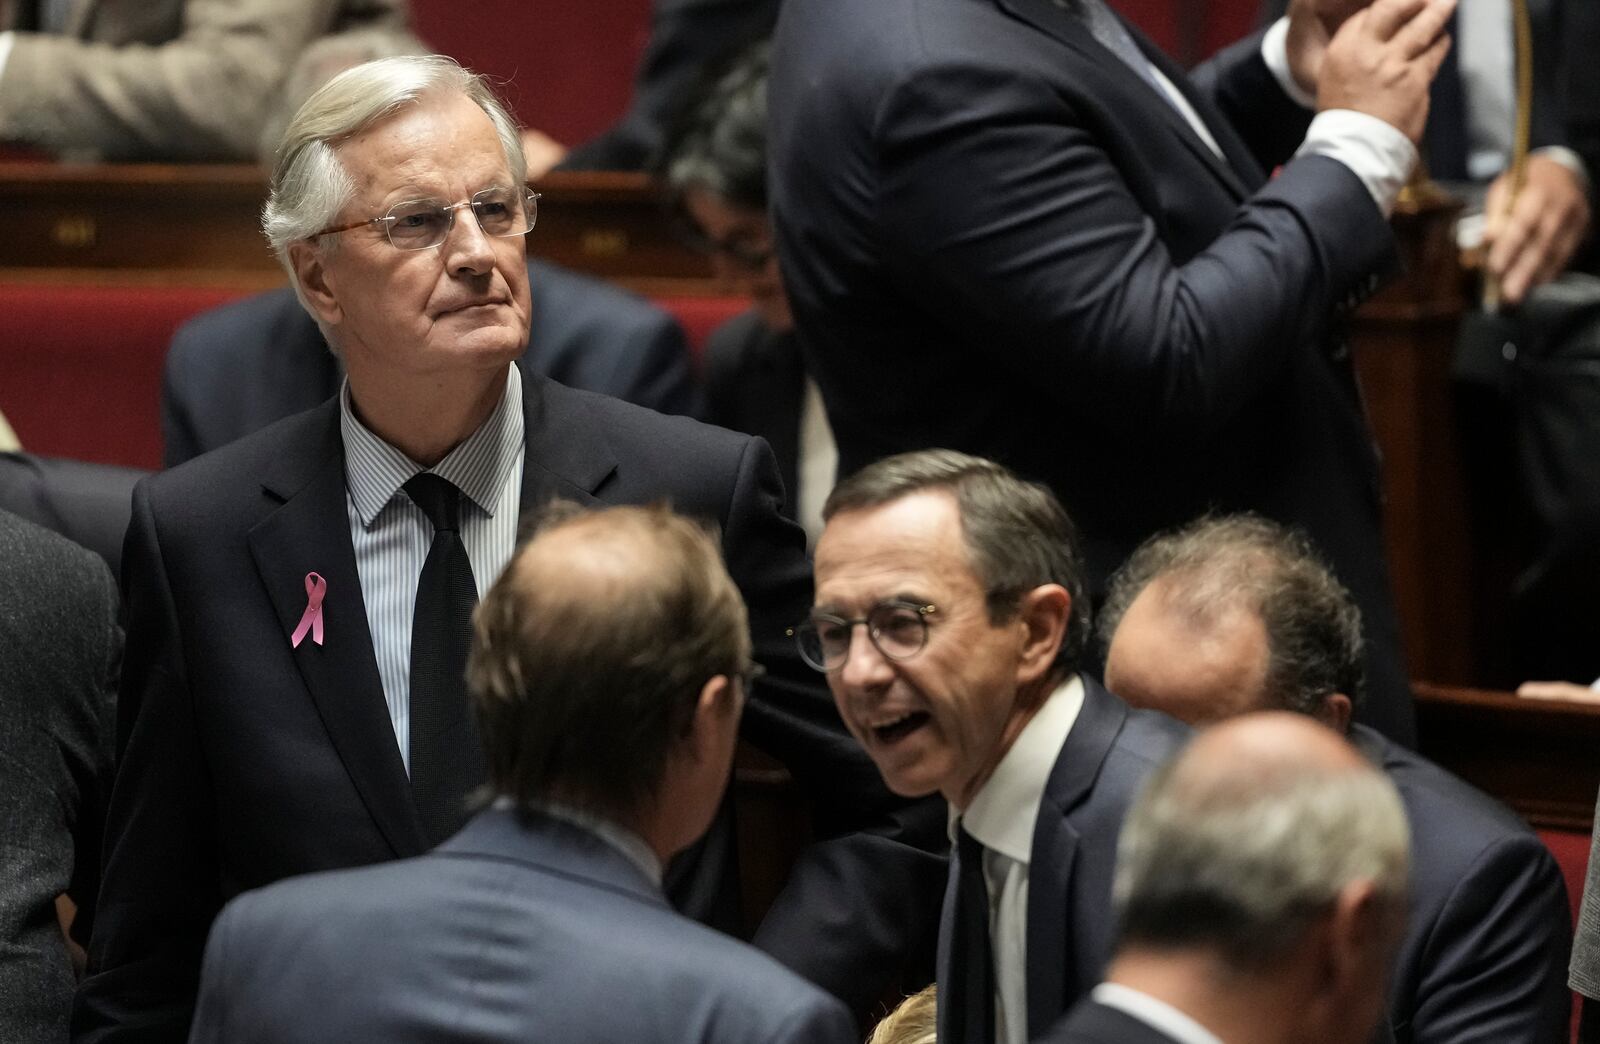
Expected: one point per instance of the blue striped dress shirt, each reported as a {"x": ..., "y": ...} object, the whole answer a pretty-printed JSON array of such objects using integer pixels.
[{"x": 391, "y": 534}]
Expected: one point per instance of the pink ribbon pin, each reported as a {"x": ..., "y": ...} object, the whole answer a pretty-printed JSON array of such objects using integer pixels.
[{"x": 311, "y": 619}]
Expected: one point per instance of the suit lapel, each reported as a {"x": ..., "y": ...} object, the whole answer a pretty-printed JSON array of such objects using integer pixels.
[
  {"x": 567, "y": 454},
  {"x": 1055, "y": 841},
  {"x": 311, "y": 532},
  {"x": 1063, "y": 27}
]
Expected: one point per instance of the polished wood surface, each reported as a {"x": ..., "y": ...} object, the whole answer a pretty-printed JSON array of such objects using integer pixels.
[{"x": 200, "y": 224}]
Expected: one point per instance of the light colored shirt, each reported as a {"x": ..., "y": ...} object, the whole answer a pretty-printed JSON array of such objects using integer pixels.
[
  {"x": 631, "y": 845},
  {"x": 818, "y": 466},
  {"x": 392, "y": 536},
  {"x": 1155, "y": 1013},
  {"x": 1001, "y": 817}
]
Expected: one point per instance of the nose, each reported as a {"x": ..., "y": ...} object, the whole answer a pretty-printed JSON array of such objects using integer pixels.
[
  {"x": 864, "y": 667},
  {"x": 468, "y": 248}
]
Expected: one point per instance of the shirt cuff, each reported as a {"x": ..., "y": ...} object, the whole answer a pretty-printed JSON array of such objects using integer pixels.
[
  {"x": 6, "y": 40},
  {"x": 1275, "y": 52},
  {"x": 1376, "y": 152},
  {"x": 1559, "y": 153}
]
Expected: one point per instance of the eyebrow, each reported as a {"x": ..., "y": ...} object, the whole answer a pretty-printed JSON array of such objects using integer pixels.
[{"x": 900, "y": 598}]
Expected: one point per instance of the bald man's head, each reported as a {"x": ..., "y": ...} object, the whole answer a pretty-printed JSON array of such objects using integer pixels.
[
  {"x": 1230, "y": 615},
  {"x": 1251, "y": 834}
]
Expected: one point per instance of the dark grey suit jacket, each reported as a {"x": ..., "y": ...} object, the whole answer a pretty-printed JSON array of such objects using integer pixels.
[
  {"x": 248, "y": 760},
  {"x": 513, "y": 930},
  {"x": 755, "y": 383},
  {"x": 1484, "y": 957},
  {"x": 239, "y": 367},
  {"x": 60, "y": 648},
  {"x": 87, "y": 503},
  {"x": 998, "y": 238},
  {"x": 1102, "y": 765}
]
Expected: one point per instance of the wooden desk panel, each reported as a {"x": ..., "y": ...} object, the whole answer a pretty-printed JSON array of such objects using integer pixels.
[{"x": 200, "y": 224}]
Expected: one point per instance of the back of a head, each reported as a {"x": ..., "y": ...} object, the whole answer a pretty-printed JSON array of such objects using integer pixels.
[
  {"x": 1208, "y": 573},
  {"x": 1249, "y": 836},
  {"x": 1017, "y": 534},
  {"x": 719, "y": 144},
  {"x": 591, "y": 651},
  {"x": 914, "y": 1021}
]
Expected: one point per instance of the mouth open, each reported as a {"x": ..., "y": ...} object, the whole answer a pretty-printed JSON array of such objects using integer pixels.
[{"x": 900, "y": 728}]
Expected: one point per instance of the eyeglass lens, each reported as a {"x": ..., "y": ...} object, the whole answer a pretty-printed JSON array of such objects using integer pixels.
[
  {"x": 896, "y": 629},
  {"x": 419, "y": 224}
]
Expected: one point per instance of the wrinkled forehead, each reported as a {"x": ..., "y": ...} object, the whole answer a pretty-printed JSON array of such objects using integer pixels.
[
  {"x": 441, "y": 145},
  {"x": 910, "y": 548}
]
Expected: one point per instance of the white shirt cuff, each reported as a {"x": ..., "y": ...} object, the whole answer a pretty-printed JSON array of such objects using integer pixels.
[
  {"x": 1559, "y": 153},
  {"x": 6, "y": 40},
  {"x": 1376, "y": 152},
  {"x": 1275, "y": 52}
]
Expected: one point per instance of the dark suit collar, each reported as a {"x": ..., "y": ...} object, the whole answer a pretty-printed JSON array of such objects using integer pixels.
[
  {"x": 552, "y": 845},
  {"x": 568, "y": 454},
  {"x": 1055, "y": 842},
  {"x": 310, "y": 532},
  {"x": 1049, "y": 18}
]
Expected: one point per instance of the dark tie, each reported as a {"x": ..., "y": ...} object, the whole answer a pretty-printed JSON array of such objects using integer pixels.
[
  {"x": 970, "y": 992},
  {"x": 446, "y": 755}
]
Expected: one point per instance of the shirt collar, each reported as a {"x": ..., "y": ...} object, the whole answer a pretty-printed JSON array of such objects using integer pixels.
[
  {"x": 374, "y": 470},
  {"x": 1152, "y": 1012},
  {"x": 625, "y": 841},
  {"x": 1004, "y": 810}
]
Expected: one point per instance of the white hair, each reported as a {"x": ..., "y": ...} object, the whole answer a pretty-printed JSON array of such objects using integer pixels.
[
  {"x": 1243, "y": 861},
  {"x": 309, "y": 184}
]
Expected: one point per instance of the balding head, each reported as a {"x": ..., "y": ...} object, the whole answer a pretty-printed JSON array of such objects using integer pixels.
[
  {"x": 1261, "y": 828},
  {"x": 593, "y": 652},
  {"x": 1229, "y": 615}
]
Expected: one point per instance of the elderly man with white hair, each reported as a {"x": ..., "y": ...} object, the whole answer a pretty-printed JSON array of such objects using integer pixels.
[{"x": 300, "y": 601}]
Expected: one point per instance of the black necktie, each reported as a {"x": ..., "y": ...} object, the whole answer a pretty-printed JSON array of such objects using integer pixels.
[
  {"x": 446, "y": 756},
  {"x": 970, "y": 992}
]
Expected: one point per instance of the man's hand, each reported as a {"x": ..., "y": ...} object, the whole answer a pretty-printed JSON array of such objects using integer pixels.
[
  {"x": 1557, "y": 690},
  {"x": 1312, "y": 23},
  {"x": 1382, "y": 60},
  {"x": 1531, "y": 238},
  {"x": 541, "y": 151}
]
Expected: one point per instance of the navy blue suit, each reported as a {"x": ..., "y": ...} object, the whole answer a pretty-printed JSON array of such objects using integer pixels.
[
  {"x": 1485, "y": 952},
  {"x": 239, "y": 367},
  {"x": 998, "y": 238},
  {"x": 513, "y": 930},
  {"x": 248, "y": 760},
  {"x": 1071, "y": 930}
]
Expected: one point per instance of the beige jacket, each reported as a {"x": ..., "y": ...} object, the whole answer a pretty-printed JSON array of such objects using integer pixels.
[{"x": 176, "y": 79}]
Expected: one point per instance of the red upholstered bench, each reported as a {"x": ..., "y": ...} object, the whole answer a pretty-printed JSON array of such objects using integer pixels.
[
  {"x": 80, "y": 366},
  {"x": 1571, "y": 850}
]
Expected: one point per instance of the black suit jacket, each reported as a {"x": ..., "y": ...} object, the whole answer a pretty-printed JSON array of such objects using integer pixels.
[
  {"x": 239, "y": 367},
  {"x": 87, "y": 503},
  {"x": 997, "y": 237},
  {"x": 1071, "y": 931},
  {"x": 1094, "y": 1023},
  {"x": 755, "y": 383},
  {"x": 248, "y": 760},
  {"x": 1484, "y": 957}
]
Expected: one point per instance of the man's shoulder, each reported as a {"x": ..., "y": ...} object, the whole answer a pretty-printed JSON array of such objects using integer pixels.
[
  {"x": 634, "y": 432},
  {"x": 237, "y": 471},
  {"x": 1094, "y": 1023},
  {"x": 49, "y": 566}
]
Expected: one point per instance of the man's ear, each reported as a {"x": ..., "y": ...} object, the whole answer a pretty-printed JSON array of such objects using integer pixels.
[
  {"x": 715, "y": 724},
  {"x": 1335, "y": 712},
  {"x": 1042, "y": 614},
  {"x": 1361, "y": 933},
  {"x": 311, "y": 272}
]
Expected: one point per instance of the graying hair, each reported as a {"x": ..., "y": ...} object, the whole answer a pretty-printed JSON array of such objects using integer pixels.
[
  {"x": 1242, "y": 862},
  {"x": 309, "y": 183},
  {"x": 1216, "y": 565}
]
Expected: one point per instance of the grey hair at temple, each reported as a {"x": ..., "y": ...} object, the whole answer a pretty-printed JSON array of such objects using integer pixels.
[{"x": 309, "y": 184}]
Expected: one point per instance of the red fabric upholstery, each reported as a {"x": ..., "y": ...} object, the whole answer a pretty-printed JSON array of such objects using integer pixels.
[
  {"x": 1571, "y": 850},
  {"x": 700, "y": 315},
  {"x": 81, "y": 366}
]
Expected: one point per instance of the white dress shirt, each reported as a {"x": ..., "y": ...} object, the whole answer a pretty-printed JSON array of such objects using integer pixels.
[
  {"x": 392, "y": 536},
  {"x": 1155, "y": 1013},
  {"x": 1001, "y": 818}
]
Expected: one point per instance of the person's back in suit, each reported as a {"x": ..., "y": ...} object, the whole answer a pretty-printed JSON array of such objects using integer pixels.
[
  {"x": 241, "y": 366},
  {"x": 60, "y": 648}
]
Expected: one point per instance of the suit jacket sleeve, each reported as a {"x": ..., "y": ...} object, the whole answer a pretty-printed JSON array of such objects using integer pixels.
[
  {"x": 1003, "y": 210},
  {"x": 861, "y": 906},
  {"x": 1495, "y": 966},
  {"x": 652, "y": 369},
  {"x": 203, "y": 93},
  {"x": 160, "y": 889}
]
